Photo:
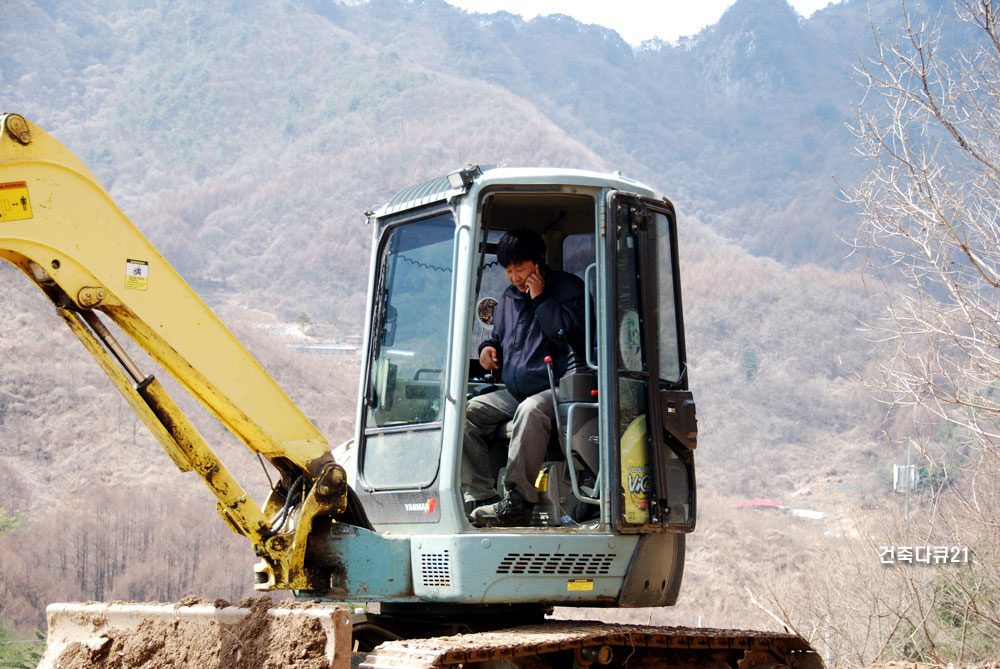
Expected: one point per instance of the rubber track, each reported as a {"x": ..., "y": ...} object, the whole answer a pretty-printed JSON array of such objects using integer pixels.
[{"x": 538, "y": 640}]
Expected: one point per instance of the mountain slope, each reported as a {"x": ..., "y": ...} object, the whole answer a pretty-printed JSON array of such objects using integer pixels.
[{"x": 245, "y": 140}]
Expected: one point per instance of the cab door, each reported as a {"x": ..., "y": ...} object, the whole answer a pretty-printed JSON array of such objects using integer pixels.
[{"x": 651, "y": 415}]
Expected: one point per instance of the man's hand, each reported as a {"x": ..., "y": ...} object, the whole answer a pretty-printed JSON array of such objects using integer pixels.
[
  {"x": 488, "y": 358},
  {"x": 535, "y": 283}
]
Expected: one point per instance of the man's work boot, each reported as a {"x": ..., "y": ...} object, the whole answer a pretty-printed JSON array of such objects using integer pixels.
[
  {"x": 512, "y": 511},
  {"x": 473, "y": 504}
]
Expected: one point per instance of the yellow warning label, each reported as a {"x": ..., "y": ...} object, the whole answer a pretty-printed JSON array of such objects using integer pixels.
[
  {"x": 14, "y": 202},
  {"x": 580, "y": 585},
  {"x": 136, "y": 274},
  {"x": 542, "y": 481}
]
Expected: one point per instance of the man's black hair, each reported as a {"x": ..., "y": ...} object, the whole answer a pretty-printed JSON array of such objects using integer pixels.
[{"x": 519, "y": 246}]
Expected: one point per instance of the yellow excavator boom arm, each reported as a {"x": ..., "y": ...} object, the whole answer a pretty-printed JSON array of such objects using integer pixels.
[{"x": 61, "y": 228}]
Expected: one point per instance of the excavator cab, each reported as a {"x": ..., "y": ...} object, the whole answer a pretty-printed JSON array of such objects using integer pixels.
[{"x": 617, "y": 490}]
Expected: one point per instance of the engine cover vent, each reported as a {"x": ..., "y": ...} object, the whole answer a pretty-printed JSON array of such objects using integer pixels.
[
  {"x": 435, "y": 569},
  {"x": 575, "y": 564}
]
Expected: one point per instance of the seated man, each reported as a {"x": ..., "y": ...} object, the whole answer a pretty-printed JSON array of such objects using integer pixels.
[{"x": 539, "y": 303}]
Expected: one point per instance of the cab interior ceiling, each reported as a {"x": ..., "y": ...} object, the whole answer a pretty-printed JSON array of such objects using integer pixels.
[{"x": 545, "y": 213}]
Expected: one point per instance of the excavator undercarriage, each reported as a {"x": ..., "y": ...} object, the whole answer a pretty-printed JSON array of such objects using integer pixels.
[{"x": 321, "y": 636}]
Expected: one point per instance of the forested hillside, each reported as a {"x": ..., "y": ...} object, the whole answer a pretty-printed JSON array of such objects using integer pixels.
[{"x": 246, "y": 139}]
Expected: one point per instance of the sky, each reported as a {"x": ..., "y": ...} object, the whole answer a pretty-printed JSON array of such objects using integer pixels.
[{"x": 634, "y": 20}]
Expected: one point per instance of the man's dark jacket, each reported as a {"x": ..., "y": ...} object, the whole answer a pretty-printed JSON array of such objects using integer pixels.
[{"x": 526, "y": 330}]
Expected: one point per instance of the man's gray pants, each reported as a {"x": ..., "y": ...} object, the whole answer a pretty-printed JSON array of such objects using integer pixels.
[{"x": 532, "y": 427}]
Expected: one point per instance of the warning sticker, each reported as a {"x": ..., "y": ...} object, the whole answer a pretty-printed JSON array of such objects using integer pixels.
[
  {"x": 14, "y": 202},
  {"x": 580, "y": 585},
  {"x": 136, "y": 274}
]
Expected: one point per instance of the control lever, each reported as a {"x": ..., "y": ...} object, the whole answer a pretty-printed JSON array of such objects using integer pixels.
[
  {"x": 552, "y": 387},
  {"x": 572, "y": 360},
  {"x": 480, "y": 385},
  {"x": 578, "y": 384}
]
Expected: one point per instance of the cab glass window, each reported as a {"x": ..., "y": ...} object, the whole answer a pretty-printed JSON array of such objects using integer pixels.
[
  {"x": 670, "y": 363},
  {"x": 405, "y": 385}
]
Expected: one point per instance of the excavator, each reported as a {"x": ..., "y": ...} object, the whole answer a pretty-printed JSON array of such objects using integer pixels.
[{"x": 387, "y": 530}]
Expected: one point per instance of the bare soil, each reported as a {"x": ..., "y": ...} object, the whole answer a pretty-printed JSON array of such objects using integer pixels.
[{"x": 258, "y": 642}]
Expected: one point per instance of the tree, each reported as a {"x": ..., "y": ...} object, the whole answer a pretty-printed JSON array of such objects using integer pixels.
[
  {"x": 929, "y": 131},
  {"x": 20, "y": 653},
  {"x": 749, "y": 362},
  {"x": 8, "y": 523}
]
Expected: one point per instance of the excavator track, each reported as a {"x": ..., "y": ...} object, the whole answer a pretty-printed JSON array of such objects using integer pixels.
[{"x": 582, "y": 644}]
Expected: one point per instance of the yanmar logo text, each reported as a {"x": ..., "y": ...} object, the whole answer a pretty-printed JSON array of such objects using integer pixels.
[{"x": 424, "y": 507}]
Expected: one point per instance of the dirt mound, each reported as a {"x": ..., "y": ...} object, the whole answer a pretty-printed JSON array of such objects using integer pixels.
[{"x": 259, "y": 640}]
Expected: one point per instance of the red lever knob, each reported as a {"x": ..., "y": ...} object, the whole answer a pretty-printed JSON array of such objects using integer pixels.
[{"x": 548, "y": 360}]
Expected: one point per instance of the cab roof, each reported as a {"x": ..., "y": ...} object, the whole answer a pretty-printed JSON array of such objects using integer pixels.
[{"x": 458, "y": 182}]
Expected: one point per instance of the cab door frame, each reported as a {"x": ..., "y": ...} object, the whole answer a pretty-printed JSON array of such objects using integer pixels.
[{"x": 642, "y": 408}]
